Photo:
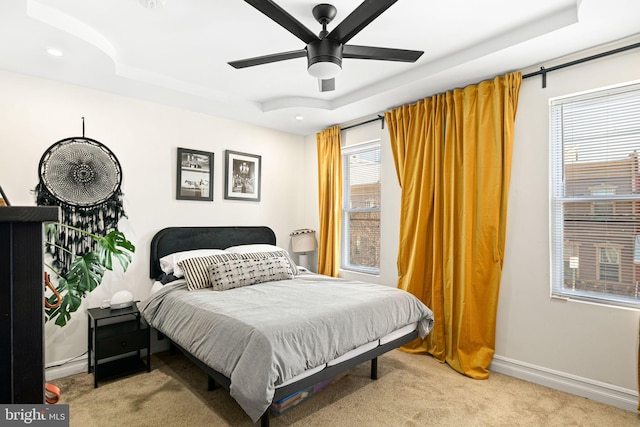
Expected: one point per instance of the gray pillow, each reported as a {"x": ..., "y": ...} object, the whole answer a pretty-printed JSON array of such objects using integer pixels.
[
  {"x": 260, "y": 250},
  {"x": 234, "y": 273}
]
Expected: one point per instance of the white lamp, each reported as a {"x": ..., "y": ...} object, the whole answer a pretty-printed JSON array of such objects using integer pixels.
[{"x": 302, "y": 242}]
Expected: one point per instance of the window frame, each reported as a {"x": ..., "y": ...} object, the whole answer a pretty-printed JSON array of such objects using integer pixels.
[
  {"x": 345, "y": 247},
  {"x": 559, "y": 288}
]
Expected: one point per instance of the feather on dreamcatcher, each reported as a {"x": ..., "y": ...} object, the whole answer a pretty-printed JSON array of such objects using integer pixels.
[{"x": 84, "y": 178}]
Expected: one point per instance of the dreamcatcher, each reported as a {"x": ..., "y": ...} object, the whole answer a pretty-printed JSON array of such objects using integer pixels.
[{"x": 83, "y": 177}]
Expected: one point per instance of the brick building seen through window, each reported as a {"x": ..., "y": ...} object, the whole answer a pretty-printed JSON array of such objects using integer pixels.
[
  {"x": 361, "y": 208},
  {"x": 601, "y": 227}
]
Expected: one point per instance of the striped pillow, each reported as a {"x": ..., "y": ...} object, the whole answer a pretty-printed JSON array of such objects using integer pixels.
[
  {"x": 196, "y": 269},
  {"x": 235, "y": 273}
]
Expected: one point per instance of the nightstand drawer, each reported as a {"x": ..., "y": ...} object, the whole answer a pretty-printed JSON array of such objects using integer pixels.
[{"x": 122, "y": 343}]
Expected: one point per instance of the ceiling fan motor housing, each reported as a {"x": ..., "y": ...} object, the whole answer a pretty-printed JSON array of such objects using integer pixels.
[{"x": 324, "y": 50}]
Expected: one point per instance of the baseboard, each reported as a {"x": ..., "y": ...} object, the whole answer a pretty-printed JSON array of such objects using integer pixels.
[
  {"x": 594, "y": 390},
  {"x": 65, "y": 369}
]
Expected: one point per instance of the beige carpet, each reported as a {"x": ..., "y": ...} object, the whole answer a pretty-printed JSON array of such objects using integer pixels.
[{"x": 412, "y": 390}]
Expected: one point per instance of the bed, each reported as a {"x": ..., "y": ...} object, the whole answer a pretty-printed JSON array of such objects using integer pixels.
[{"x": 261, "y": 327}]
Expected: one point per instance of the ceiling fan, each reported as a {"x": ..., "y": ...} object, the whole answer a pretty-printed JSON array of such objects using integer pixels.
[{"x": 325, "y": 51}]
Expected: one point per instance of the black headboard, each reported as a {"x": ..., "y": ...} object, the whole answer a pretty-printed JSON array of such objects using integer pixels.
[{"x": 176, "y": 239}]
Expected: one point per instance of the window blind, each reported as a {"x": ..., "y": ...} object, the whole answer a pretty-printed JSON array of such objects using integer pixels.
[
  {"x": 595, "y": 176},
  {"x": 361, "y": 207}
]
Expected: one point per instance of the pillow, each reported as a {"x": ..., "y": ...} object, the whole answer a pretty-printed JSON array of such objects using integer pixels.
[
  {"x": 165, "y": 278},
  {"x": 196, "y": 272},
  {"x": 169, "y": 263},
  {"x": 235, "y": 273},
  {"x": 263, "y": 250},
  {"x": 258, "y": 247}
]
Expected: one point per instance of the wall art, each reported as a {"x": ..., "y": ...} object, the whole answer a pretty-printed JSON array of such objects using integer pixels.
[
  {"x": 242, "y": 176},
  {"x": 194, "y": 175}
]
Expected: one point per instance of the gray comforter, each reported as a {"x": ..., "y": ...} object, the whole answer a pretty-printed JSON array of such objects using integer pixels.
[{"x": 260, "y": 336}]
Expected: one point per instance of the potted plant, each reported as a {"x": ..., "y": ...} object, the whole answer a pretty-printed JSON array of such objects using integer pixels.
[{"x": 86, "y": 270}]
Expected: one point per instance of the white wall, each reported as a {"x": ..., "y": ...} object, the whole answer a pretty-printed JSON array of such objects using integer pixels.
[
  {"x": 583, "y": 349},
  {"x": 586, "y": 345},
  {"x": 35, "y": 114}
]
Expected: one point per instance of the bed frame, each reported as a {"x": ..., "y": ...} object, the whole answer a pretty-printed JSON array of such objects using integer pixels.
[{"x": 175, "y": 239}]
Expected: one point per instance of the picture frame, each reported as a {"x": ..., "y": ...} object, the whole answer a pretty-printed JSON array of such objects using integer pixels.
[
  {"x": 242, "y": 176},
  {"x": 194, "y": 177}
]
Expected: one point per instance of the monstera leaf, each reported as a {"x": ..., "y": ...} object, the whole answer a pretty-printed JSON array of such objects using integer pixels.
[
  {"x": 70, "y": 302},
  {"x": 115, "y": 245},
  {"x": 85, "y": 272}
]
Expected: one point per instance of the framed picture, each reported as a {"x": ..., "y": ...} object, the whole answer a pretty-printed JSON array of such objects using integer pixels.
[
  {"x": 195, "y": 175},
  {"x": 242, "y": 176}
]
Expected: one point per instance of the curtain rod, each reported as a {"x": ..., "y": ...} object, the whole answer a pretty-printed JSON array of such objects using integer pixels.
[
  {"x": 381, "y": 118},
  {"x": 543, "y": 71}
]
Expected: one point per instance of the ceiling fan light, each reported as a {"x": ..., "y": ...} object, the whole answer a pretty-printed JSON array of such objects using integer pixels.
[
  {"x": 324, "y": 70},
  {"x": 324, "y": 58}
]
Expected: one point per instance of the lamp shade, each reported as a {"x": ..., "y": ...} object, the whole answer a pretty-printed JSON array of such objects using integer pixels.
[{"x": 303, "y": 241}]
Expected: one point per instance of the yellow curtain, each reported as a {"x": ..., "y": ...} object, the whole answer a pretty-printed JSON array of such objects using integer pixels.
[
  {"x": 453, "y": 160},
  {"x": 330, "y": 200}
]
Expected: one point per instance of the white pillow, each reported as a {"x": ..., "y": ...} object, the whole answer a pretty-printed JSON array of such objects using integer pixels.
[
  {"x": 254, "y": 251},
  {"x": 169, "y": 263},
  {"x": 257, "y": 247}
]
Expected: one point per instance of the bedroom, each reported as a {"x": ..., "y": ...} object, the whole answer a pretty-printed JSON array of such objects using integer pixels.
[{"x": 538, "y": 339}]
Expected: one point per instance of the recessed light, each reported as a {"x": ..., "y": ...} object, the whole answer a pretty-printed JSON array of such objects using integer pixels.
[
  {"x": 153, "y": 4},
  {"x": 54, "y": 52}
]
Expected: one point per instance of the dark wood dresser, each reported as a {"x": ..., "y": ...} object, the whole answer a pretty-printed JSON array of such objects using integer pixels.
[{"x": 22, "y": 302}]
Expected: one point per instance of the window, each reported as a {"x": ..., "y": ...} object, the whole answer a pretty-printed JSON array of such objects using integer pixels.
[
  {"x": 608, "y": 264},
  {"x": 603, "y": 208},
  {"x": 595, "y": 174},
  {"x": 361, "y": 208}
]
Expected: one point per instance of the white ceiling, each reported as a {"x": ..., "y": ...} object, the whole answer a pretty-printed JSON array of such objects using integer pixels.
[{"x": 178, "y": 54}]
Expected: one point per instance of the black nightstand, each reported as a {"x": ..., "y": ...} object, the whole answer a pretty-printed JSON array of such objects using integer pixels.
[{"x": 114, "y": 333}]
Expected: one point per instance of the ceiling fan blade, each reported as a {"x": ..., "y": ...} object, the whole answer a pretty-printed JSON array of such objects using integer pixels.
[
  {"x": 327, "y": 85},
  {"x": 267, "y": 59},
  {"x": 380, "y": 53},
  {"x": 359, "y": 18},
  {"x": 284, "y": 19}
]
